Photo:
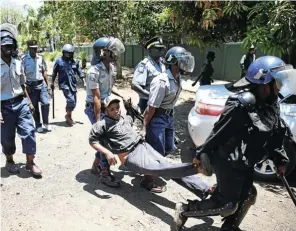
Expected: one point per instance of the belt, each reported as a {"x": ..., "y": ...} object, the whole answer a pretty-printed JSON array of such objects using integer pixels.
[
  {"x": 161, "y": 111},
  {"x": 15, "y": 99},
  {"x": 35, "y": 83}
]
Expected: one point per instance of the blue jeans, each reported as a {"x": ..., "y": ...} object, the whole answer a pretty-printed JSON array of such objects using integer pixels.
[
  {"x": 70, "y": 98},
  {"x": 160, "y": 133},
  {"x": 38, "y": 94},
  {"x": 143, "y": 104},
  {"x": 17, "y": 116},
  {"x": 89, "y": 111}
]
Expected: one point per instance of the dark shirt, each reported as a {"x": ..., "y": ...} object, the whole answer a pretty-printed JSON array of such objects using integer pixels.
[{"x": 116, "y": 136}]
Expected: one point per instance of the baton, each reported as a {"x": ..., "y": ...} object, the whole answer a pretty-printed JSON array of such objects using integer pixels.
[
  {"x": 286, "y": 184},
  {"x": 52, "y": 96}
]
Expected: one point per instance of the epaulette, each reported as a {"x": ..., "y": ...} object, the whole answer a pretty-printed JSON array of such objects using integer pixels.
[{"x": 247, "y": 99}]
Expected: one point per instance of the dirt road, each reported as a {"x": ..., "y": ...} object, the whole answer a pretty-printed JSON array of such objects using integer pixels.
[{"x": 68, "y": 197}]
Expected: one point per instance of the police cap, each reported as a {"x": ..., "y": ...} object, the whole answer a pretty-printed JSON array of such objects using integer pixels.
[
  {"x": 32, "y": 44},
  {"x": 154, "y": 42}
]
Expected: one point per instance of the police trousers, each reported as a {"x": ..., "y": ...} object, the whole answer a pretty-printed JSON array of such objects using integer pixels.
[
  {"x": 17, "y": 116},
  {"x": 145, "y": 160},
  {"x": 160, "y": 133},
  {"x": 70, "y": 98},
  {"x": 38, "y": 93},
  {"x": 234, "y": 179}
]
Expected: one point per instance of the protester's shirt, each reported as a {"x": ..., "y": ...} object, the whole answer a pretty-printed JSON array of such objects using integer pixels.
[{"x": 116, "y": 136}]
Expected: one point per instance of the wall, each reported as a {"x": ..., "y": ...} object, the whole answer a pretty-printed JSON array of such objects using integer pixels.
[{"x": 226, "y": 64}]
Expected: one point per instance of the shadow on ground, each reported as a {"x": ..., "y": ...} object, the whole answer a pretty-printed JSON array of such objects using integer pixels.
[{"x": 136, "y": 196}]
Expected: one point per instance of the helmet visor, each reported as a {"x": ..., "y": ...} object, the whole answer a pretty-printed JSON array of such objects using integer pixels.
[
  {"x": 116, "y": 46},
  {"x": 186, "y": 62},
  {"x": 286, "y": 79}
]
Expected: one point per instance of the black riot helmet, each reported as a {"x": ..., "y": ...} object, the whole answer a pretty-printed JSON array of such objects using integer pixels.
[
  {"x": 181, "y": 57},
  {"x": 107, "y": 48}
]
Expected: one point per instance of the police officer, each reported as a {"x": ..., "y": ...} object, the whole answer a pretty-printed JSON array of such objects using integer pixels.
[
  {"x": 99, "y": 85},
  {"x": 246, "y": 60},
  {"x": 164, "y": 92},
  {"x": 66, "y": 68},
  {"x": 37, "y": 84},
  {"x": 249, "y": 128},
  {"x": 147, "y": 69},
  {"x": 205, "y": 78},
  {"x": 15, "y": 108}
]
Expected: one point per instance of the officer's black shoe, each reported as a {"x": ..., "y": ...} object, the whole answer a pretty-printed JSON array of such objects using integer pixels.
[
  {"x": 228, "y": 226},
  {"x": 179, "y": 219}
]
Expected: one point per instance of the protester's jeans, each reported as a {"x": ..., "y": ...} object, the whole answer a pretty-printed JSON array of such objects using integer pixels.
[{"x": 145, "y": 160}]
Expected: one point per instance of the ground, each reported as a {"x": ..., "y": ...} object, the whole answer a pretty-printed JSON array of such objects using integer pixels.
[{"x": 69, "y": 197}]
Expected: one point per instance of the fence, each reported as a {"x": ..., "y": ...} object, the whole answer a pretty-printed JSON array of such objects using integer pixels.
[{"x": 226, "y": 64}]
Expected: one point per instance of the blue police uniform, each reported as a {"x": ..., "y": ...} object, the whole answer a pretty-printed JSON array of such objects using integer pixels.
[
  {"x": 34, "y": 69},
  {"x": 15, "y": 110},
  {"x": 164, "y": 93},
  {"x": 66, "y": 70}
]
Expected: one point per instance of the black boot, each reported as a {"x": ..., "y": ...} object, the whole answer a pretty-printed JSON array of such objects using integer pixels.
[{"x": 179, "y": 219}]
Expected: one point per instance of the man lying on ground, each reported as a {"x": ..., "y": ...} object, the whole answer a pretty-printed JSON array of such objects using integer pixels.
[{"x": 115, "y": 138}]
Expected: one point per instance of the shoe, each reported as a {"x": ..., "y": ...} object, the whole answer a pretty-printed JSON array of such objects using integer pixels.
[
  {"x": 47, "y": 127},
  {"x": 69, "y": 120},
  {"x": 149, "y": 185},
  {"x": 179, "y": 219},
  {"x": 11, "y": 167},
  {"x": 40, "y": 130},
  {"x": 110, "y": 181},
  {"x": 34, "y": 169}
]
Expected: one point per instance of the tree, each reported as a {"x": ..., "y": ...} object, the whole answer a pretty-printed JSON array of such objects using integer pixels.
[
  {"x": 11, "y": 15},
  {"x": 274, "y": 32}
]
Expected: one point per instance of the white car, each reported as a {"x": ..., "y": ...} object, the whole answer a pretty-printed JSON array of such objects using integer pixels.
[{"x": 209, "y": 104}]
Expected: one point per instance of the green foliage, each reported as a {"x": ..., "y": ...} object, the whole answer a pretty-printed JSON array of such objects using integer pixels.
[
  {"x": 82, "y": 55},
  {"x": 10, "y": 14},
  {"x": 52, "y": 56}
]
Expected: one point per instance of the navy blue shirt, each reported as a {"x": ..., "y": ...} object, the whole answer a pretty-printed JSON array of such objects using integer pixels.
[{"x": 66, "y": 70}]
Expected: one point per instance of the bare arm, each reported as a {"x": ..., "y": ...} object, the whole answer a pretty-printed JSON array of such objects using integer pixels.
[
  {"x": 45, "y": 78},
  {"x": 112, "y": 159},
  {"x": 148, "y": 114},
  {"x": 97, "y": 103},
  {"x": 139, "y": 89}
]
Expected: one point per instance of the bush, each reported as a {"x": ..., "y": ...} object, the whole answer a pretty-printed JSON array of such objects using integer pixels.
[
  {"x": 82, "y": 55},
  {"x": 51, "y": 56}
]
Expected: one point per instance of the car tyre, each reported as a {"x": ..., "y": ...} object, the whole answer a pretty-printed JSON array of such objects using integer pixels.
[{"x": 290, "y": 149}]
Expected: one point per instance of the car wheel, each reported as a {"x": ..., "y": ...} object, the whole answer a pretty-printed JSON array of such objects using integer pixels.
[
  {"x": 188, "y": 150},
  {"x": 266, "y": 172}
]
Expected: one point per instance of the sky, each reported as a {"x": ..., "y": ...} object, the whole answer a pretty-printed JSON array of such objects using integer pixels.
[{"x": 20, "y": 3}]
